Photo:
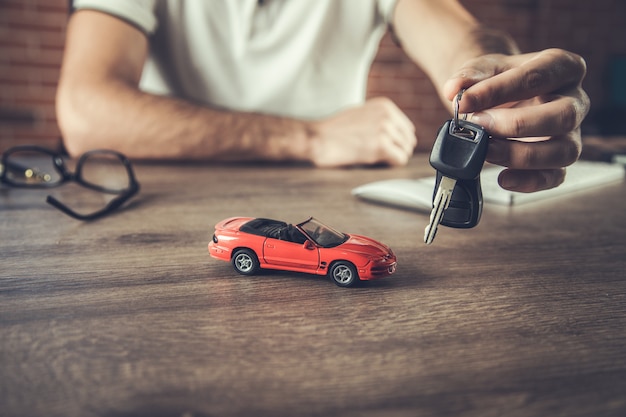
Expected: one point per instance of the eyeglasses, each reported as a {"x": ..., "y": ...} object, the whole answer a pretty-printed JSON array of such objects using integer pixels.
[{"x": 104, "y": 171}]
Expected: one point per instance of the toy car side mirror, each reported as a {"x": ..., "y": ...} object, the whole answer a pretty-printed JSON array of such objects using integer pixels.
[{"x": 309, "y": 245}]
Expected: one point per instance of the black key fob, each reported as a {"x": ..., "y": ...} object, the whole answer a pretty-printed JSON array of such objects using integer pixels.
[
  {"x": 466, "y": 204},
  {"x": 460, "y": 149}
]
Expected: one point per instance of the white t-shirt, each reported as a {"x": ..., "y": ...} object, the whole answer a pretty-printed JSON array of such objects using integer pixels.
[{"x": 300, "y": 58}]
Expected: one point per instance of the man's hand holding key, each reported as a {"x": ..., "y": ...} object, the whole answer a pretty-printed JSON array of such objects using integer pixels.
[{"x": 532, "y": 104}]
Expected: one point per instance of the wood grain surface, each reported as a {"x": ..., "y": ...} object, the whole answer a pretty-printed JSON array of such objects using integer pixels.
[{"x": 524, "y": 315}]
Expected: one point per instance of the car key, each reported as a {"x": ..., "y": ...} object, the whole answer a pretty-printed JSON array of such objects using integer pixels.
[
  {"x": 458, "y": 156},
  {"x": 465, "y": 206}
]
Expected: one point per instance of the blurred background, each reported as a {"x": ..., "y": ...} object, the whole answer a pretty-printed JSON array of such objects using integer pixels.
[{"x": 32, "y": 39}]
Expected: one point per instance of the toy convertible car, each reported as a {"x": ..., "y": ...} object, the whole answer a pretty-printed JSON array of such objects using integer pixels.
[{"x": 252, "y": 244}]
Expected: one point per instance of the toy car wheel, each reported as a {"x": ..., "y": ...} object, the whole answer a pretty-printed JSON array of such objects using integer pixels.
[
  {"x": 343, "y": 274},
  {"x": 245, "y": 262}
]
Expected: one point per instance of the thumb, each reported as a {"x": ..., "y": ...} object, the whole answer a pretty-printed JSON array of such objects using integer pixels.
[
  {"x": 474, "y": 71},
  {"x": 464, "y": 78}
]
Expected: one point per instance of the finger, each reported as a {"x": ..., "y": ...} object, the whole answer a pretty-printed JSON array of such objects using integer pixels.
[
  {"x": 560, "y": 114},
  {"x": 389, "y": 153},
  {"x": 473, "y": 72},
  {"x": 400, "y": 129},
  {"x": 528, "y": 181},
  {"x": 546, "y": 153},
  {"x": 404, "y": 138},
  {"x": 523, "y": 77},
  {"x": 402, "y": 121},
  {"x": 395, "y": 156},
  {"x": 398, "y": 145}
]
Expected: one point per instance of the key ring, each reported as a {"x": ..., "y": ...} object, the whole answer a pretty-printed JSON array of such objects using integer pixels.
[{"x": 457, "y": 99}]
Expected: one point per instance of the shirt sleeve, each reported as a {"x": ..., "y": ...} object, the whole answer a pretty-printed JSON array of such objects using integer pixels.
[{"x": 140, "y": 13}]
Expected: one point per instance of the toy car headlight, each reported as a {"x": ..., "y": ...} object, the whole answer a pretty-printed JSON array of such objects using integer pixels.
[
  {"x": 384, "y": 258},
  {"x": 214, "y": 239}
]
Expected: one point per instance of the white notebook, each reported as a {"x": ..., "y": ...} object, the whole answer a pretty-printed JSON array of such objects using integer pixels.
[{"x": 417, "y": 194}]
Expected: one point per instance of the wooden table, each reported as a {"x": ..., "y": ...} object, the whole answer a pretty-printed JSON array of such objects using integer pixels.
[{"x": 524, "y": 315}]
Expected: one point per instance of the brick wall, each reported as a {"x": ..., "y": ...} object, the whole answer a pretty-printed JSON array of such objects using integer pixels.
[
  {"x": 32, "y": 36},
  {"x": 31, "y": 46}
]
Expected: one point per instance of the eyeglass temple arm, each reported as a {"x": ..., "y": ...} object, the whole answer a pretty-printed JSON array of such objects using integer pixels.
[{"x": 113, "y": 204}]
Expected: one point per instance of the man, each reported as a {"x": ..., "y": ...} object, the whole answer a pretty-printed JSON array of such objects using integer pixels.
[{"x": 285, "y": 80}]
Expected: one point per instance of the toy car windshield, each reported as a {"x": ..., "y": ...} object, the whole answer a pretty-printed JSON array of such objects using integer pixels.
[{"x": 325, "y": 236}]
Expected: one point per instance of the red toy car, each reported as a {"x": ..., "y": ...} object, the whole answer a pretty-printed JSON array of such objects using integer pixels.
[{"x": 251, "y": 244}]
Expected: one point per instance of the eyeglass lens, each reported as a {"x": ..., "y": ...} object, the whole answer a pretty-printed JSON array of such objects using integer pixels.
[
  {"x": 105, "y": 172},
  {"x": 32, "y": 168}
]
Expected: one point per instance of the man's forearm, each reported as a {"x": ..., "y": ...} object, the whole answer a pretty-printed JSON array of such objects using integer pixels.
[
  {"x": 146, "y": 126},
  {"x": 440, "y": 36}
]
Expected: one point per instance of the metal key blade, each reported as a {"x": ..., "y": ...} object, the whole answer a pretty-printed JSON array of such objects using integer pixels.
[{"x": 440, "y": 204}]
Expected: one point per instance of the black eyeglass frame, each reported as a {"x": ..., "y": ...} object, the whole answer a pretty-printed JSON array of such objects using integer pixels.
[{"x": 76, "y": 176}]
